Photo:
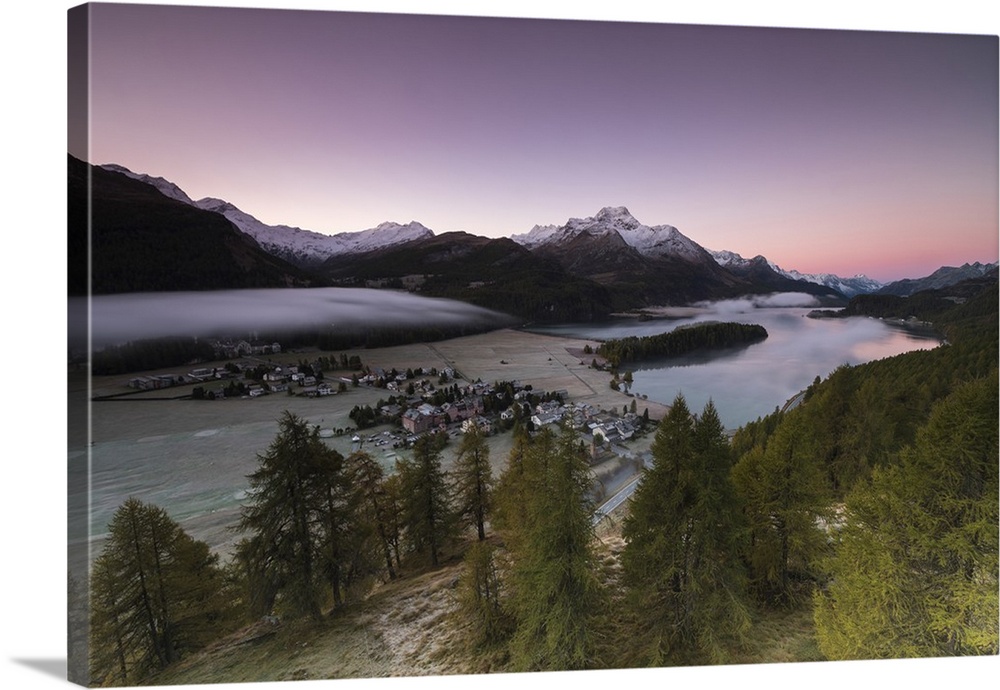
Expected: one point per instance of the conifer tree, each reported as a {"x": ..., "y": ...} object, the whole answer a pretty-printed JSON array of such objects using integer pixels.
[
  {"x": 294, "y": 518},
  {"x": 156, "y": 594},
  {"x": 375, "y": 506},
  {"x": 510, "y": 493},
  {"x": 340, "y": 540},
  {"x": 556, "y": 594},
  {"x": 392, "y": 488},
  {"x": 915, "y": 571},
  {"x": 482, "y": 595},
  {"x": 785, "y": 497},
  {"x": 473, "y": 477},
  {"x": 428, "y": 516},
  {"x": 681, "y": 562}
]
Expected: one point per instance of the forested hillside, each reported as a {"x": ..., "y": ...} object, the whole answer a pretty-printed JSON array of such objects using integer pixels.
[
  {"x": 899, "y": 458},
  {"x": 497, "y": 274},
  {"x": 862, "y": 523}
]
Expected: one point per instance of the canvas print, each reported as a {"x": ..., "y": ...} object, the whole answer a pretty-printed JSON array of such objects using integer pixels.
[{"x": 417, "y": 345}]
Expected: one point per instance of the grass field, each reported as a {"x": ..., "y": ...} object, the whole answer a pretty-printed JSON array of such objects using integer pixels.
[{"x": 192, "y": 457}]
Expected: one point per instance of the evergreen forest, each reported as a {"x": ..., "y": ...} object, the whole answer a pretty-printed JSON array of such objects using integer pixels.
[
  {"x": 872, "y": 506},
  {"x": 680, "y": 341}
]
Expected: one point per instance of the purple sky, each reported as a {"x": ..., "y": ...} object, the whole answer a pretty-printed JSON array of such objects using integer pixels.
[{"x": 826, "y": 151}]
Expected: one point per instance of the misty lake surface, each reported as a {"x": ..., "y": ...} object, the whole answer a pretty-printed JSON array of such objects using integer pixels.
[
  {"x": 121, "y": 318},
  {"x": 192, "y": 459},
  {"x": 750, "y": 382}
]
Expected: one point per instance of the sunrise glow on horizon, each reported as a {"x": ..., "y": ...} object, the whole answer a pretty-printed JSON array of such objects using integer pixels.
[{"x": 826, "y": 151}]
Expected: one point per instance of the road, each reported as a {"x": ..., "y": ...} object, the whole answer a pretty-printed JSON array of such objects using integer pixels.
[{"x": 616, "y": 500}]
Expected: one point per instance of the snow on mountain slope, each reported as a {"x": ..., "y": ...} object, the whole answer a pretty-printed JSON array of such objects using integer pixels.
[
  {"x": 849, "y": 287},
  {"x": 305, "y": 246},
  {"x": 166, "y": 187},
  {"x": 654, "y": 241},
  {"x": 301, "y": 247}
]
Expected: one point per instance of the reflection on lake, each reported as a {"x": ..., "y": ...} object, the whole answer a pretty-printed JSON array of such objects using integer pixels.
[{"x": 746, "y": 383}]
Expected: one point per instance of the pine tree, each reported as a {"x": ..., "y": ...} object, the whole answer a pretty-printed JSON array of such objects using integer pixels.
[
  {"x": 915, "y": 571},
  {"x": 156, "y": 594},
  {"x": 473, "y": 482},
  {"x": 681, "y": 562}
]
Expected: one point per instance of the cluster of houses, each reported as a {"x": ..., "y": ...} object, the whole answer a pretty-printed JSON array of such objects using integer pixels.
[
  {"x": 542, "y": 408},
  {"x": 396, "y": 381},
  {"x": 154, "y": 382},
  {"x": 232, "y": 349},
  {"x": 426, "y": 417},
  {"x": 281, "y": 379},
  {"x": 423, "y": 415},
  {"x": 419, "y": 406},
  {"x": 604, "y": 427},
  {"x": 267, "y": 379}
]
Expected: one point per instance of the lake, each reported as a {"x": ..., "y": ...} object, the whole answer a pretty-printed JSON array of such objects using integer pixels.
[
  {"x": 750, "y": 382},
  {"x": 192, "y": 458}
]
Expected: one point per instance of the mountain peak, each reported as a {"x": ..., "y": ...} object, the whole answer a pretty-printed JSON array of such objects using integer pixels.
[
  {"x": 618, "y": 216},
  {"x": 413, "y": 227},
  {"x": 652, "y": 241}
]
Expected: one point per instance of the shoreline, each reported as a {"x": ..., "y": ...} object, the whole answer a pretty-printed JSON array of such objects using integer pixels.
[{"x": 191, "y": 457}]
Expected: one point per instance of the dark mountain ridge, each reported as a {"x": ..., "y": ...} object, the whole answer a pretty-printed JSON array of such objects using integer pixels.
[
  {"x": 148, "y": 235},
  {"x": 143, "y": 241},
  {"x": 941, "y": 278}
]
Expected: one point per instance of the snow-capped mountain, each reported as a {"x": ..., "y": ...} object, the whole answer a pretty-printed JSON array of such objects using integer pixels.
[
  {"x": 305, "y": 247},
  {"x": 651, "y": 241},
  {"x": 849, "y": 287},
  {"x": 300, "y": 247},
  {"x": 166, "y": 187},
  {"x": 941, "y": 278}
]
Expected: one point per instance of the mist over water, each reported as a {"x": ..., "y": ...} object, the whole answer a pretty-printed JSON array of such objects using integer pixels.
[
  {"x": 193, "y": 460},
  {"x": 117, "y": 319},
  {"x": 749, "y": 382}
]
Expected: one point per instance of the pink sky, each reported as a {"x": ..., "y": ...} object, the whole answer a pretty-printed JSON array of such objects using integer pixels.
[{"x": 826, "y": 151}]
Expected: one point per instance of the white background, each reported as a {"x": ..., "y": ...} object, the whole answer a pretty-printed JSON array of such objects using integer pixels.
[{"x": 32, "y": 238}]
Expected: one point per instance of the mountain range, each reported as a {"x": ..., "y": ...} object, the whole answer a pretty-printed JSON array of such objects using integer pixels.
[
  {"x": 849, "y": 287},
  {"x": 148, "y": 234}
]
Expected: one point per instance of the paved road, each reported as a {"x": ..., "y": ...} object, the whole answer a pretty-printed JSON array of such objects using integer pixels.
[{"x": 616, "y": 500}]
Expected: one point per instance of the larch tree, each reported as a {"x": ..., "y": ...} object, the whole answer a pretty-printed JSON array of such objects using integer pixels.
[
  {"x": 786, "y": 498},
  {"x": 482, "y": 595},
  {"x": 473, "y": 477},
  {"x": 681, "y": 564},
  {"x": 556, "y": 595},
  {"x": 915, "y": 569},
  {"x": 156, "y": 594},
  {"x": 293, "y": 518},
  {"x": 334, "y": 502},
  {"x": 511, "y": 488},
  {"x": 428, "y": 515},
  {"x": 375, "y": 506}
]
